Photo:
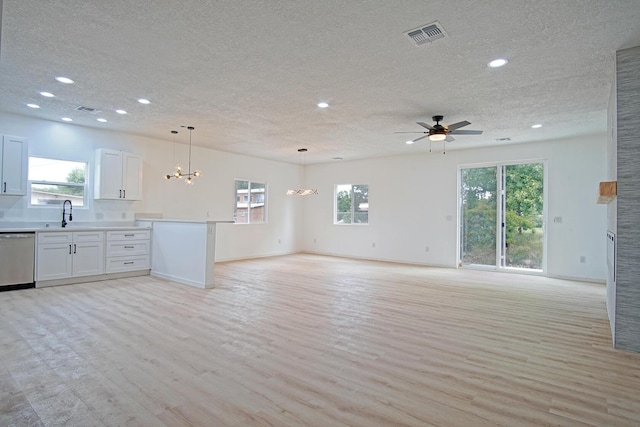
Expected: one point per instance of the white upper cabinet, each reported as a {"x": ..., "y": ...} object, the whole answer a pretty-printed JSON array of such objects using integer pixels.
[
  {"x": 13, "y": 165},
  {"x": 118, "y": 175},
  {"x": 132, "y": 176}
]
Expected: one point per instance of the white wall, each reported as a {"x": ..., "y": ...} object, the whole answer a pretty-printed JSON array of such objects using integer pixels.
[
  {"x": 413, "y": 204},
  {"x": 211, "y": 197},
  {"x": 413, "y": 198}
]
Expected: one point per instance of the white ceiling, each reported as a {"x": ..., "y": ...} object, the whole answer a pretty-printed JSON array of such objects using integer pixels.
[{"x": 248, "y": 74}]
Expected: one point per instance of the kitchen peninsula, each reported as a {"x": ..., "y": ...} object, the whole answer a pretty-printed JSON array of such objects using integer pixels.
[{"x": 183, "y": 251}]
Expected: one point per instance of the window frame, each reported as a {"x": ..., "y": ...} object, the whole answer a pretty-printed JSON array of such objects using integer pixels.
[
  {"x": 246, "y": 198},
  {"x": 353, "y": 210},
  {"x": 85, "y": 186}
]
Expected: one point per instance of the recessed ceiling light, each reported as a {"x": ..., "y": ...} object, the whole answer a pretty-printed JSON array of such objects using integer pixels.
[
  {"x": 101, "y": 120},
  {"x": 536, "y": 126},
  {"x": 323, "y": 104},
  {"x": 67, "y": 119},
  {"x": 144, "y": 101},
  {"x": 33, "y": 106},
  {"x": 65, "y": 80},
  {"x": 121, "y": 112},
  {"x": 47, "y": 94},
  {"x": 409, "y": 142},
  {"x": 497, "y": 63}
]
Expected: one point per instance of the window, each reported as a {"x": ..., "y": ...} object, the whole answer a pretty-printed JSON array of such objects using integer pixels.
[
  {"x": 251, "y": 202},
  {"x": 53, "y": 181},
  {"x": 351, "y": 204}
]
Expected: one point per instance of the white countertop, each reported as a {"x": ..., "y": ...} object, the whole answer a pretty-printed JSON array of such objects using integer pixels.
[
  {"x": 185, "y": 221},
  {"x": 40, "y": 229}
]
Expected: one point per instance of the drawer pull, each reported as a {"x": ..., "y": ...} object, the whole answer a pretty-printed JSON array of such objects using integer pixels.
[
  {"x": 128, "y": 247},
  {"x": 129, "y": 262},
  {"x": 129, "y": 235}
]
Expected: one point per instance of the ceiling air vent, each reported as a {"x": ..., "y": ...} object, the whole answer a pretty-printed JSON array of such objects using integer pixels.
[
  {"x": 426, "y": 34},
  {"x": 87, "y": 109}
]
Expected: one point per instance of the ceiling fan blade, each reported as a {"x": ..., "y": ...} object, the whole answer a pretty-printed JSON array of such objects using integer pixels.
[
  {"x": 449, "y": 138},
  {"x": 458, "y": 125},
  {"x": 425, "y": 125},
  {"x": 466, "y": 132},
  {"x": 410, "y": 132},
  {"x": 422, "y": 137}
]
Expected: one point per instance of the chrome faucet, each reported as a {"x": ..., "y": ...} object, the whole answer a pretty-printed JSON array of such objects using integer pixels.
[{"x": 64, "y": 204}]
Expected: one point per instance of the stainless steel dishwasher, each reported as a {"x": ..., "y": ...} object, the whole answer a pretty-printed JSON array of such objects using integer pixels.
[{"x": 17, "y": 255}]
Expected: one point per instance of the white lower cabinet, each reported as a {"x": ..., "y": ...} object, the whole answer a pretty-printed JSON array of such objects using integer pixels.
[
  {"x": 128, "y": 250},
  {"x": 88, "y": 258},
  {"x": 82, "y": 256},
  {"x": 69, "y": 254},
  {"x": 54, "y": 261}
]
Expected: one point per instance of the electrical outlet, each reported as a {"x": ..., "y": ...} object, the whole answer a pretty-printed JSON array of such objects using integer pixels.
[
  {"x": 426, "y": 248},
  {"x": 279, "y": 241},
  {"x": 583, "y": 259},
  {"x": 557, "y": 220},
  {"x": 373, "y": 245},
  {"x": 314, "y": 240},
  {"x": 449, "y": 218},
  {"x": 124, "y": 215}
]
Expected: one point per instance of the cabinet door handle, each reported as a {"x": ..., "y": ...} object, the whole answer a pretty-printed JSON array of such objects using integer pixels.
[
  {"x": 74, "y": 248},
  {"x": 5, "y": 187},
  {"x": 130, "y": 262},
  {"x": 69, "y": 249},
  {"x": 129, "y": 235},
  {"x": 124, "y": 194}
]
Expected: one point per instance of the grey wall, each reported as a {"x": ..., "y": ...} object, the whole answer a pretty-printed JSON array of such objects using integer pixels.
[
  {"x": 627, "y": 291},
  {"x": 612, "y": 207}
]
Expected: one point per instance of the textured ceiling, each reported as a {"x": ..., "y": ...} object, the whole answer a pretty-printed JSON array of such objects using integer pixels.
[{"x": 248, "y": 74}]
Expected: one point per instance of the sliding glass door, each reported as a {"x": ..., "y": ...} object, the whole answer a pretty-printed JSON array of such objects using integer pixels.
[
  {"x": 501, "y": 216},
  {"x": 479, "y": 216}
]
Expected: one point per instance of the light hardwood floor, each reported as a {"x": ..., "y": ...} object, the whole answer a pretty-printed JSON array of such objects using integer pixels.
[{"x": 318, "y": 341}]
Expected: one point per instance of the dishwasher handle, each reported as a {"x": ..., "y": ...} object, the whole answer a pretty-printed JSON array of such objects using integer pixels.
[{"x": 16, "y": 236}]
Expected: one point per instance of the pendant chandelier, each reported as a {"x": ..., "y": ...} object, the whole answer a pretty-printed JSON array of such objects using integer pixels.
[
  {"x": 178, "y": 172},
  {"x": 302, "y": 191}
]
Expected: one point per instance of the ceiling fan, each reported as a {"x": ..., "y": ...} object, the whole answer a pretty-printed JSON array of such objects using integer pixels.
[{"x": 439, "y": 132}]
